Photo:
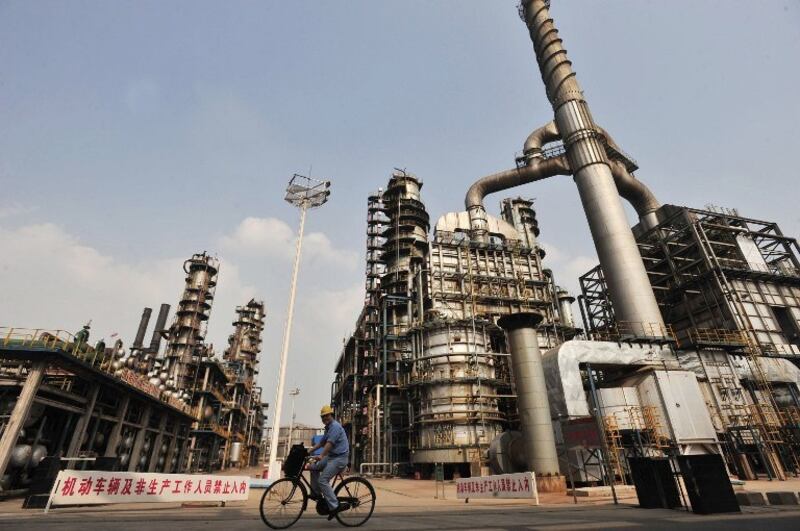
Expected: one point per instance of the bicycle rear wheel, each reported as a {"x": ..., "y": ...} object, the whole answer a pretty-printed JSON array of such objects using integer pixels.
[
  {"x": 283, "y": 503},
  {"x": 358, "y": 492}
]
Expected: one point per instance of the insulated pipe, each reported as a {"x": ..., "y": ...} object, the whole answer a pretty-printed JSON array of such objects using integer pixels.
[
  {"x": 636, "y": 193},
  {"x": 629, "y": 187},
  {"x": 535, "y": 141},
  {"x": 138, "y": 341},
  {"x": 632, "y": 189},
  {"x": 537, "y": 170},
  {"x": 628, "y": 284},
  {"x": 532, "y": 402}
]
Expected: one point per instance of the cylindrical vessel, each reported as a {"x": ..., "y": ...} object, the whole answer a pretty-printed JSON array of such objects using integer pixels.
[
  {"x": 532, "y": 402},
  {"x": 236, "y": 452},
  {"x": 565, "y": 301},
  {"x": 454, "y": 393}
]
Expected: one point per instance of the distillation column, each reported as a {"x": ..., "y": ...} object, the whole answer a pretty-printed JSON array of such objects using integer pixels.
[
  {"x": 628, "y": 284},
  {"x": 188, "y": 331},
  {"x": 404, "y": 253}
]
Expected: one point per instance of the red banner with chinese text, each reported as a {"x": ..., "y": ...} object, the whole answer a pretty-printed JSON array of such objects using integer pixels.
[
  {"x": 522, "y": 485},
  {"x": 86, "y": 487}
]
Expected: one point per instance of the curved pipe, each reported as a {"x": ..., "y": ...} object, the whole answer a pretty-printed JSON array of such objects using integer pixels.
[
  {"x": 536, "y": 169},
  {"x": 629, "y": 187},
  {"x": 515, "y": 177},
  {"x": 533, "y": 144},
  {"x": 636, "y": 193}
]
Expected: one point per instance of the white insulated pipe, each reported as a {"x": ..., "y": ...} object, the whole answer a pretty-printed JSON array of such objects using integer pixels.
[{"x": 628, "y": 284}]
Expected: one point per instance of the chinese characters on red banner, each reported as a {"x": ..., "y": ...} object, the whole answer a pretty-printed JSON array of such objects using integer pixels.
[
  {"x": 96, "y": 486},
  {"x": 504, "y": 486}
]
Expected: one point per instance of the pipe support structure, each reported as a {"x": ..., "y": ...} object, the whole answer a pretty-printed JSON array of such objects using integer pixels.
[
  {"x": 20, "y": 412},
  {"x": 532, "y": 402},
  {"x": 628, "y": 283}
]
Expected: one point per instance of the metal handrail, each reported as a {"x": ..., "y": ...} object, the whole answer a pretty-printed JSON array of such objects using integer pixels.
[{"x": 392, "y": 467}]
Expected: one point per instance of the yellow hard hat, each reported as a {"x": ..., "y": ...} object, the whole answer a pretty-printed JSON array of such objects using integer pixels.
[{"x": 326, "y": 410}]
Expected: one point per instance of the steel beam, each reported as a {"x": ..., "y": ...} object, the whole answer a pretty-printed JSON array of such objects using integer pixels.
[
  {"x": 20, "y": 413},
  {"x": 83, "y": 423}
]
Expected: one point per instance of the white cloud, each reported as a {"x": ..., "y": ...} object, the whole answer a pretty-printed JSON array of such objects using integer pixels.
[
  {"x": 271, "y": 237},
  {"x": 51, "y": 280}
]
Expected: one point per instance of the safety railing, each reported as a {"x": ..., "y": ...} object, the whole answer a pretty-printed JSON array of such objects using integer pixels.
[
  {"x": 635, "y": 332},
  {"x": 41, "y": 338},
  {"x": 717, "y": 336},
  {"x": 390, "y": 469}
]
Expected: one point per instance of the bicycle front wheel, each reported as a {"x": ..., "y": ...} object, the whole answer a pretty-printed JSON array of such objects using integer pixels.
[
  {"x": 357, "y": 492},
  {"x": 283, "y": 503}
]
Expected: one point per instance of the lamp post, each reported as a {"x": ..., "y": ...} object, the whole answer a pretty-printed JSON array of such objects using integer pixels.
[
  {"x": 305, "y": 193},
  {"x": 293, "y": 393}
]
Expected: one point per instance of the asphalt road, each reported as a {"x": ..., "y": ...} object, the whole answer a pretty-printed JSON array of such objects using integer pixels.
[{"x": 545, "y": 518}]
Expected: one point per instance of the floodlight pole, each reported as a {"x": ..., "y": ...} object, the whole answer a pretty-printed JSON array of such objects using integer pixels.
[
  {"x": 276, "y": 418},
  {"x": 293, "y": 393}
]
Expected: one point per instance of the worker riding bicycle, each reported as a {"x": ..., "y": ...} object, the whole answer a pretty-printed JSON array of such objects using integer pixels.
[{"x": 332, "y": 461}]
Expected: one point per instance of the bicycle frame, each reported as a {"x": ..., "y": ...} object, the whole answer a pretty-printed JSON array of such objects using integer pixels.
[{"x": 300, "y": 478}]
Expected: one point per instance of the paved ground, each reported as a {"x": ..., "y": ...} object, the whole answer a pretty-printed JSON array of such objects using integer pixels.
[
  {"x": 486, "y": 518},
  {"x": 408, "y": 504}
]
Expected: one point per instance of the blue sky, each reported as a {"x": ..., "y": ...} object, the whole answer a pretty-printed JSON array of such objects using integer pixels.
[{"x": 133, "y": 134}]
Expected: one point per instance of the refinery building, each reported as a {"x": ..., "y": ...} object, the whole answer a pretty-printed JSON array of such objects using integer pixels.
[
  {"x": 467, "y": 353},
  {"x": 66, "y": 400},
  {"x": 468, "y": 356}
]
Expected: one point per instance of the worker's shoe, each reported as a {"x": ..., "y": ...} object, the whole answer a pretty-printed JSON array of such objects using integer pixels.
[{"x": 343, "y": 506}]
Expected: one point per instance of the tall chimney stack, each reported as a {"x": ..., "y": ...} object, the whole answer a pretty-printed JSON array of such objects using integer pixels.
[
  {"x": 628, "y": 284},
  {"x": 161, "y": 322},
  {"x": 137, "y": 342}
]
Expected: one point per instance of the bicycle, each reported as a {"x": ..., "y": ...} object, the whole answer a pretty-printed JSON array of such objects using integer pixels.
[{"x": 284, "y": 501}]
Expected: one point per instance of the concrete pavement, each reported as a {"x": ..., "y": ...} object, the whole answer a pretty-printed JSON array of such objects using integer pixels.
[
  {"x": 486, "y": 518},
  {"x": 408, "y": 504}
]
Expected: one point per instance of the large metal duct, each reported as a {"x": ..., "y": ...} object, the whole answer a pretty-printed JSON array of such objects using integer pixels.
[
  {"x": 137, "y": 342},
  {"x": 536, "y": 169},
  {"x": 532, "y": 403},
  {"x": 161, "y": 323},
  {"x": 628, "y": 284},
  {"x": 630, "y": 188},
  {"x": 562, "y": 369}
]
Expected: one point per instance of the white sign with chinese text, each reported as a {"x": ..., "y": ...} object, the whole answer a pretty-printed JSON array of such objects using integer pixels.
[
  {"x": 521, "y": 485},
  {"x": 87, "y": 487}
]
